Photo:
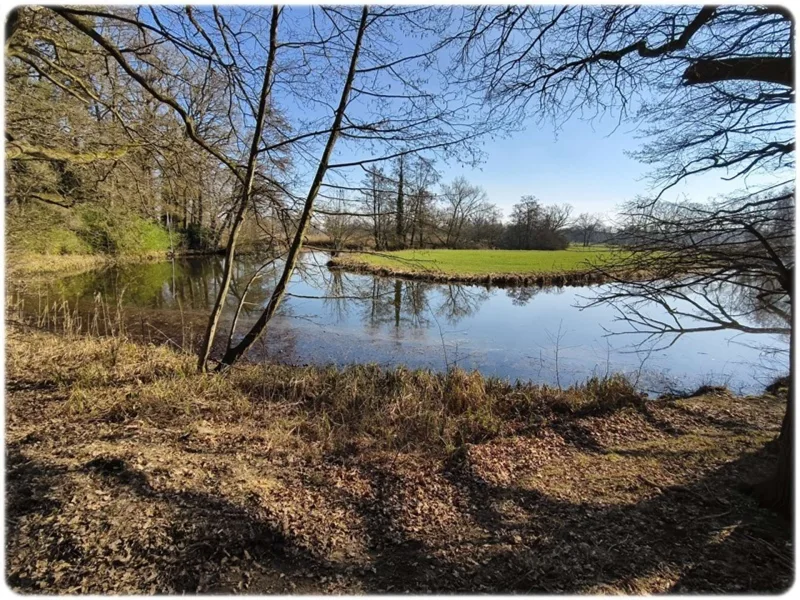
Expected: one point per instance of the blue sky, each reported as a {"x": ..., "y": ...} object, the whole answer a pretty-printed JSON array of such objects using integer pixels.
[{"x": 584, "y": 165}]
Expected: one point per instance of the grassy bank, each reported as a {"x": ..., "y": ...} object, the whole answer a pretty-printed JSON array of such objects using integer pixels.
[
  {"x": 26, "y": 265},
  {"x": 499, "y": 267},
  {"x": 310, "y": 480}
]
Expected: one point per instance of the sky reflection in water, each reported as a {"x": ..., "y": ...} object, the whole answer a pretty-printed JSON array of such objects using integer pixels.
[{"x": 517, "y": 333}]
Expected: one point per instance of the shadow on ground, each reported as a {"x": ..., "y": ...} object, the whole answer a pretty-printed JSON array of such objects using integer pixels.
[{"x": 702, "y": 537}]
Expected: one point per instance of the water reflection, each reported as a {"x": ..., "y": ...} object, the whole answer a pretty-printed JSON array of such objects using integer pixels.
[
  {"x": 338, "y": 317},
  {"x": 522, "y": 295}
]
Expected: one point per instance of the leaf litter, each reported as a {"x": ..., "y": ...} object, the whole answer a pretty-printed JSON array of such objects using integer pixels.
[{"x": 638, "y": 499}]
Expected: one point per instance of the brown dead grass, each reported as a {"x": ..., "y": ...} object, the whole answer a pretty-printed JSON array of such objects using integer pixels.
[
  {"x": 127, "y": 472},
  {"x": 26, "y": 265}
]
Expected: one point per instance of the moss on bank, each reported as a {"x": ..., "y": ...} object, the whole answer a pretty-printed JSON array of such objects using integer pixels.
[{"x": 284, "y": 479}]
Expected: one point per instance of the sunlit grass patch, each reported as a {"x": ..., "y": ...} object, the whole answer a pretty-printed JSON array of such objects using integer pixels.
[{"x": 480, "y": 262}]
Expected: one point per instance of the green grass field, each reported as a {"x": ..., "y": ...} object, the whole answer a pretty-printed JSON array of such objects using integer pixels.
[{"x": 479, "y": 262}]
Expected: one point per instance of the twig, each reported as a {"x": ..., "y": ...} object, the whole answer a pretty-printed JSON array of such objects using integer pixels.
[{"x": 712, "y": 516}]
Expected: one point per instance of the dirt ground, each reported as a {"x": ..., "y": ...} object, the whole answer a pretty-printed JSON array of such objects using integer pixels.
[{"x": 641, "y": 500}]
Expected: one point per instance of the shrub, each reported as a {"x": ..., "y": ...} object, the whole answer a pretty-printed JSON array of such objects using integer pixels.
[
  {"x": 152, "y": 237},
  {"x": 42, "y": 230},
  {"x": 119, "y": 232}
]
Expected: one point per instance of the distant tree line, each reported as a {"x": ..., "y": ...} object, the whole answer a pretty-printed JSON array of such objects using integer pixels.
[{"x": 402, "y": 209}]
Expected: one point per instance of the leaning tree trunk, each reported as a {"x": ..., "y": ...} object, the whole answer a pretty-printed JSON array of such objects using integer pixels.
[
  {"x": 247, "y": 188},
  {"x": 233, "y": 354}
]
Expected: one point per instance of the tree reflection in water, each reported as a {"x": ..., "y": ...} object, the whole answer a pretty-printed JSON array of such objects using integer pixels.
[
  {"x": 339, "y": 317},
  {"x": 399, "y": 303}
]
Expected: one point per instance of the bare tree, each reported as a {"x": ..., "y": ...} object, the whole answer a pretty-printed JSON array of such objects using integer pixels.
[
  {"x": 419, "y": 213},
  {"x": 486, "y": 227},
  {"x": 587, "y": 225},
  {"x": 340, "y": 226},
  {"x": 535, "y": 226},
  {"x": 245, "y": 199},
  {"x": 461, "y": 202},
  {"x": 377, "y": 202},
  {"x": 233, "y": 353},
  {"x": 556, "y": 216}
]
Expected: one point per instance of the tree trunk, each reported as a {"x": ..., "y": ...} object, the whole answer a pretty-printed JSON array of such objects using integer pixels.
[
  {"x": 247, "y": 187},
  {"x": 375, "y": 217},
  {"x": 777, "y": 491},
  {"x": 401, "y": 234},
  {"x": 414, "y": 224},
  {"x": 233, "y": 354},
  {"x": 420, "y": 232},
  {"x": 398, "y": 297}
]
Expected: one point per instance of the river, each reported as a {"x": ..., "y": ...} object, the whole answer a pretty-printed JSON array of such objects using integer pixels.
[{"x": 335, "y": 317}]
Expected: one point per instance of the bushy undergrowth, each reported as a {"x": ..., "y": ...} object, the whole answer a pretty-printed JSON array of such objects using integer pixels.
[
  {"x": 121, "y": 233},
  {"x": 197, "y": 237},
  {"x": 44, "y": 231},
  {"x": 324, "y": 408},
  {"x": 83, "y": 230}
]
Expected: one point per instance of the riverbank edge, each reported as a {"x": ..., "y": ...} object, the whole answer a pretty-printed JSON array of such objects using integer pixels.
[
  {"x": 25, "y": 265},
  {"x": 28, "y": 264},
  {"x": 454, "y": 392},
  {"x": 554, "y": 279},
  {"x": 100, "y": 428}
]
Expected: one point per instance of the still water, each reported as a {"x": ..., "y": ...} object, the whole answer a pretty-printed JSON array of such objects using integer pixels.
[{"x": 334, "y": 317}]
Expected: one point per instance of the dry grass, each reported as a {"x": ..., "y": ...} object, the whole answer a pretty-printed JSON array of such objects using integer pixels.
[
  {"x": 41, "y": 264},
  {"x": 282, "y": 479},
  {"x": 327, "y": 409},
  {"x": 26, "y": 265}
]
